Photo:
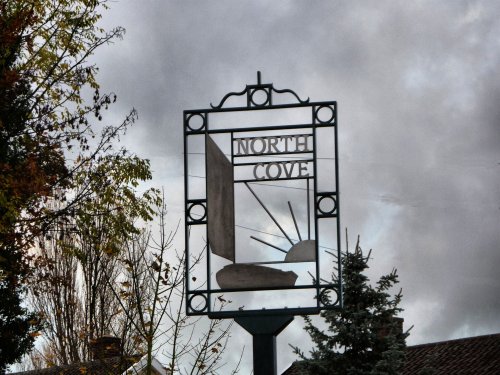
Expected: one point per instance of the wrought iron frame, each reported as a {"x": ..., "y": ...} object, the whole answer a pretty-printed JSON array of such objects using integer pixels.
[{"x": 204, "y": 129}]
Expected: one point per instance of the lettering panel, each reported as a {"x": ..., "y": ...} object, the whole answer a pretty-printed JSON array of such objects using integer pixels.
[
  {"x": 274, "y": 157},
  {"x": 274, "y": 170},
  {"x": 273, "y": 145}
]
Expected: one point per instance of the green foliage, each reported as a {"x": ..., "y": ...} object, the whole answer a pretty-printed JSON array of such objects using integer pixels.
[
  {"x": 112, "y": 206},
  {"x": 18, "y": 155},
  {"x": 363, "y": 338},
  {"x": 18, "y": 326},
  {"x": 53, "y": 146},
  {"x": 47, "y": 128},
  {"x": 79, "y": 261}
]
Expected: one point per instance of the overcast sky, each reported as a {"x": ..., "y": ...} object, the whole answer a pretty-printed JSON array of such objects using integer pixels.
[{"x": 418, "y": 90}]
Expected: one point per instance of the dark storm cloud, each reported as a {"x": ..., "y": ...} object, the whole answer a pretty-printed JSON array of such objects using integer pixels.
[{"x": 418, "y": 91}]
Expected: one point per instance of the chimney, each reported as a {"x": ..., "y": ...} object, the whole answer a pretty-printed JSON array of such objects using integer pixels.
[{"x": 106, "y": 347}]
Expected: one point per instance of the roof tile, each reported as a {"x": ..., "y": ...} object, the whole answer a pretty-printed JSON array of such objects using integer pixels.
[{"x": 467, "y": 356}]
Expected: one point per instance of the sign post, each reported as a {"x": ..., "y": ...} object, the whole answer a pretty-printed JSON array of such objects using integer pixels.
[{"x": 262, "y": 225}]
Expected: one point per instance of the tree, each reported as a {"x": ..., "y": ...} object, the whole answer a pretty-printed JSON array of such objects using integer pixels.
[
  {"x": 76, "y": 263},
  {"x": 364, "y": 337},
  {"x": 49, "y": 133},
  {"x": 14, "y": 319},
  {"x": 151, "y": 293},
  {"x": 133, "y": 289},
  {"x": 18, "y": 326},
  {"x": 45, "y": 125}
]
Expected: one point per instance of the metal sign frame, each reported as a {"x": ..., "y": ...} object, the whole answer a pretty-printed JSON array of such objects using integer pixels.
[{"x": 196, "y": 123}]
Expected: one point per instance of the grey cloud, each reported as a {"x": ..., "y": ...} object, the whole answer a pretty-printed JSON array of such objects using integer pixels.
[{"x": 418, "y": 91}]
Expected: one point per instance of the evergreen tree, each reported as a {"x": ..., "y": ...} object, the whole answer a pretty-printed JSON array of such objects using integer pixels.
[
  {"x": 18, "y": 326},
  {"x": 364, "y": 337}
]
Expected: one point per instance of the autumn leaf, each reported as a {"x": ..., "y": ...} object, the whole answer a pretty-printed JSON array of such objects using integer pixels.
[
  {"x": 126, "y": 284},
  {"x": 155, "y": 266}
]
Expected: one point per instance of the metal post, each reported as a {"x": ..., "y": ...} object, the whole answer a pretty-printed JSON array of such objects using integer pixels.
[{"x": 264, "y": 330}]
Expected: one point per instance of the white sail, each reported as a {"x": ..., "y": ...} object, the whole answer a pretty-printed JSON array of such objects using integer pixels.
[{"x": 220, "y": 201}]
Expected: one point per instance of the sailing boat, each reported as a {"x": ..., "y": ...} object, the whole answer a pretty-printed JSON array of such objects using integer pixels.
[{"x": 221, "y": 236}]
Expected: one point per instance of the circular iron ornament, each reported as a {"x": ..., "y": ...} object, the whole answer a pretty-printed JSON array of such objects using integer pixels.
[
  {"x": 203, "y": 306},
  {"x": 199, "y": 127},
  {"x": 324, "y": 298},
  {"x": 259, "y": 103},
  {"x": 197, "y": 219},
  {"x": 328, "y": 120},
  {"x": 332, "y": 210}
]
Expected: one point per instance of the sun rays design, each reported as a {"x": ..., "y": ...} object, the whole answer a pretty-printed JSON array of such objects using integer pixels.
[{"x": 303, "y": 250}]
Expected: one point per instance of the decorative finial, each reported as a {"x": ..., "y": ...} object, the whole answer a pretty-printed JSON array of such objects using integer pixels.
[{"x": 250, "y": 89}]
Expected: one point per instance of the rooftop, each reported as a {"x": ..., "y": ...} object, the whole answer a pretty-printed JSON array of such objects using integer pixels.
[
  {"x": 471, "y": 355},
  {"x": 466, "y": 356},
  {"x": 108, "y": 366}
]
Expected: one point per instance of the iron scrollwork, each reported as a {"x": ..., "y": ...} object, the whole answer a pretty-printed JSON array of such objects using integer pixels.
[{"x": 252, "y": 90}]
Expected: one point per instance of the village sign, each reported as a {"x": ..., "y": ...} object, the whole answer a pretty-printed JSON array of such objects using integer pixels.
[{"x": 230, "y": 152}]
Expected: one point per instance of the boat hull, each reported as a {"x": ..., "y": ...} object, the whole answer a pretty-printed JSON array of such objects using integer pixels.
[{"x": 236, "y": 276}]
